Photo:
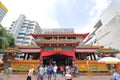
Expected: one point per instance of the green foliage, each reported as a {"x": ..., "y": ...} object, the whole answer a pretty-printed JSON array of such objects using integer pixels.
[
  {"x": 11, "y": 40},
  {"x": 6, "y": 40}
]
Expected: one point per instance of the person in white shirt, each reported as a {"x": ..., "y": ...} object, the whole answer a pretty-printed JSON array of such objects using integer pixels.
[
  {"x": 41, "y": 73},
  {"x": 55, "y": 71},
  {"x": 30, "y": 73}
]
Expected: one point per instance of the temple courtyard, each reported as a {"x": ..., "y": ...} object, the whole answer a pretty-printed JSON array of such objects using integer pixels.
[{"x": 59, "y": 77}]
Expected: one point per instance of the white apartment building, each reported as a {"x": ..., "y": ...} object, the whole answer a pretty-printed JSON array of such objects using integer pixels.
[
  {"x": 21, "y": 30},
  {"x": 107, "y": 28},
  {"x": 3, "y": 11}
]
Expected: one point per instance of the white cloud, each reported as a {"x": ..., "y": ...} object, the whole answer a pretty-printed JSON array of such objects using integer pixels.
[
  {"x": 43, "y": 11},
  {"x": 38, "y": 10},
  {"x": 101, "y": 4},
  {"x": 98, "y": 7},
  {"x": 86, "y": 29},
  {"x": 49, "y": 23},
  {"x": 64, "y": 3}
]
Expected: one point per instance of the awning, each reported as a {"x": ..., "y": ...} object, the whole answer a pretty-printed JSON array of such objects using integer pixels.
[
  {"x": 46, "y": 53},
  {"x": 49, "y": 53},
  {"x": 85, "y": 50},
  {"x": 69, "y": 53},
  {"x": 30, "y": 50}
]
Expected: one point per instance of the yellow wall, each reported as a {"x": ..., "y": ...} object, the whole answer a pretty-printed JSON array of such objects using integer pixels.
[
  {"x": 3, "y": 7},
  {"x": 84, "y": 65},
  {"x": 24, "y": 64}
]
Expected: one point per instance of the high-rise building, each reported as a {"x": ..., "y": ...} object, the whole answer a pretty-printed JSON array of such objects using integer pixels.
[
  {"x": 3, "y": 11},
  {"x": 107, "y": 28},
  {"x": 21, "y": 30}
]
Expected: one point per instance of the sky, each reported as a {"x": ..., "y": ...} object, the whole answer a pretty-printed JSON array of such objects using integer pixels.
[{"x": 78, "y": 14}]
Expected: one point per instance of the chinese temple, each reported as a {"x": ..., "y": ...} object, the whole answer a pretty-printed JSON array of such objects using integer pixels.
[
  {"x": 62, "y": 48},
  {"x": 57, "y": 47}
]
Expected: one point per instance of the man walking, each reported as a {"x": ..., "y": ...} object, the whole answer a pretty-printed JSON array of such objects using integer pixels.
[
  {"x": 55, "y": 71},
  {"x": 41, "y": 73},
  {"x": 50, "y": 71}
]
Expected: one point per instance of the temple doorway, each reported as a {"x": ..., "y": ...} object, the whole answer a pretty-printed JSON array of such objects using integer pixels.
[{"x": 58, "y": 59}]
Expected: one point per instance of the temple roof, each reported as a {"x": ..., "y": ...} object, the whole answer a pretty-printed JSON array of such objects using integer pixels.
[
  {"x": 28, "y": 47},
  {"x": 89, "y": 46},
  {"x": 107, "y": 50},
  {"x": 58, "y": 34},
  {"x": 10, "y": 51}
]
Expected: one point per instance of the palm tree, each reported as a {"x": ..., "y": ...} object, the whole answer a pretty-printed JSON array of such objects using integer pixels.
[
  {"x": 3, "y": 40},
  {"x": 6, "y": 40},
  {"x": 11, "y": 40}
]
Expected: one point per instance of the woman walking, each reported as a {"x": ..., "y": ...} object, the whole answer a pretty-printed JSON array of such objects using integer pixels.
[
  {"x": 41, "y": 73},
  {"x": 30, "y": 73}
]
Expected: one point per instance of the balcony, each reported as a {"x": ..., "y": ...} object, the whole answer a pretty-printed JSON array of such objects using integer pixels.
[{"x": 57, "y": 41}]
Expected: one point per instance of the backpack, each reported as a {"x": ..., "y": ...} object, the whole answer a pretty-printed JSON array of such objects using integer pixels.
[
  {"x": 50, "y": 69},
  {"x": 73, "y": 70}
]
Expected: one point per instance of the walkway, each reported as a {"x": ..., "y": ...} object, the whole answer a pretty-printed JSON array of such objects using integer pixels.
[{"x": 23, "y": 77}]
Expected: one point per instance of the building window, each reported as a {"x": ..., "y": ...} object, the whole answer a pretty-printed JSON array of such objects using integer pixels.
[
  {"x": 94, "y": 41},
  {"x": 20, "y": 38}
]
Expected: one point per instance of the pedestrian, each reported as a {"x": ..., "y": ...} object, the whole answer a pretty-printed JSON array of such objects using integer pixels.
[
  {"x": 30, "y": 73},
  {"x": 76, "y": 71},
  {"x": 50, "y": 71},
  {"x": 41, "y": 73},
  {"x": 68, "y": 69},
  {"x": 73, "y": 71},
  {"x": 62, "y": 70},
  {"x": 68, "y": 76},
  {"x": 45, "y": 71},
  {"x": 116, "y": 75},
  {"x": 9, "y": 71},
  {"x": 55, "y": 71}
]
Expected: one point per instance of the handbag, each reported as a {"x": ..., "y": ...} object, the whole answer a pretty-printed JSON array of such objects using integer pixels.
[{"x": 28, "y": 78}]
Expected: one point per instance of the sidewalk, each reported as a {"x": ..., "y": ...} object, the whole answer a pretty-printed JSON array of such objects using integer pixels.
[{"x": 59, "y": 77}]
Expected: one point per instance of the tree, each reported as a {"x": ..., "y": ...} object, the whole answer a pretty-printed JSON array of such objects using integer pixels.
[
  {"x": 6, "y": 40},
  {"x": 3, "y": 40},
  {"x": 11, "y": 40}
]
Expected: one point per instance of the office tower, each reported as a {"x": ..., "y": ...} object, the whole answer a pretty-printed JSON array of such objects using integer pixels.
[
  {"x": 21, "y": 30},
  {"x": 3, "y": 11}
]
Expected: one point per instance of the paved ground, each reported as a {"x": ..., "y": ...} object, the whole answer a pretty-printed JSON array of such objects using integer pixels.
[{"x": 23, "y": 77}]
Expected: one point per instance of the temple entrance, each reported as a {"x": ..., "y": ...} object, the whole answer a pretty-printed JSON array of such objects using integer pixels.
[{"x": 58, "y": 59}]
